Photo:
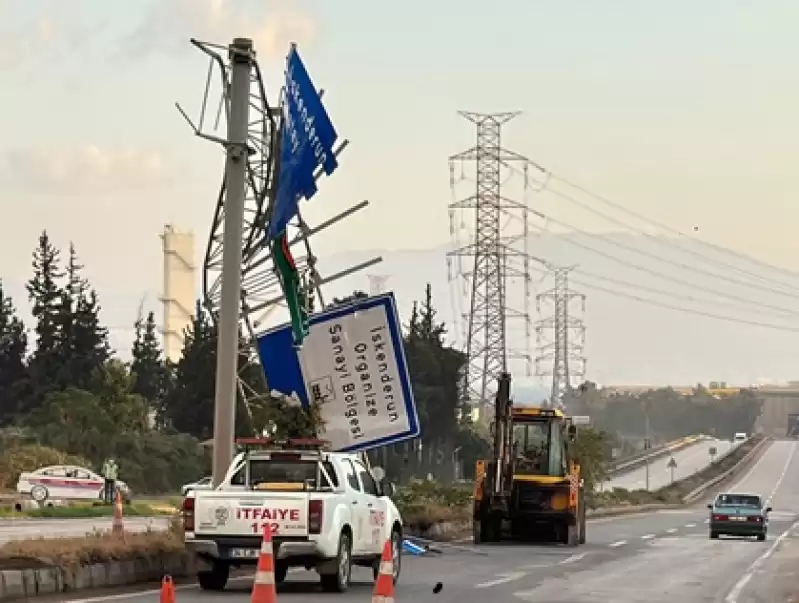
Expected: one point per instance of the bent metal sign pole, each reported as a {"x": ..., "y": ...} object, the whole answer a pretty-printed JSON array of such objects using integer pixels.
[{"x": 306, "y": 143}]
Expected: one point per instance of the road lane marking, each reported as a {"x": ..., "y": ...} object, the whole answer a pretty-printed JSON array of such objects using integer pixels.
[
  {"x": 617, "y": 543},
  {"x": 573, "y": 559},
  {"x": 671, "y": 530},
  {"x": 753, "y": 468},
  {"x": 505, "y": 578},
  {"x": 647, "y": 537},
  {"x": 690, "y": 525},
  {"x": 732, "y": 596},
  {"x": 784, "y": 471}
]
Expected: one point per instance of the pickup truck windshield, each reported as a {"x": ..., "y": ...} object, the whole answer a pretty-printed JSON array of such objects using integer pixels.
[{"x": 304, "y": 472}]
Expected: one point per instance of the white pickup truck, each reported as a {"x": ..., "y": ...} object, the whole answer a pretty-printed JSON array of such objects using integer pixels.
[{"x": 325, "y": 510}]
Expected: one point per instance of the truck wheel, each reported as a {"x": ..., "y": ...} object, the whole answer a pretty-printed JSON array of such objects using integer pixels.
[
  {"x": 280, "y": 572},
  {"x": 214, "y": 579},
  {"x": 396, "y": 557},
  {"x": 568, "y": 534},
  {"x": 490, "y": 529},
  {"x": 582, "y": 517},
  {"x": 477, "y": 532},
  {"x": 339, "y": 582}
]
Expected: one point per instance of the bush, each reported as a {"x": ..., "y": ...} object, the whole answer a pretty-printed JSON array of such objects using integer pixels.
[
  {"x": 29, "y": 457},
  {"x": 93, "y": 548},
  {"x": 425, "y": 503}
]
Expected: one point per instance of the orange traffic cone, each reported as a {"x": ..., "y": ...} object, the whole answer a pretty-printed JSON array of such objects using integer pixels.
[
  {"x": 118, "y": 527},
  {"x": 263, "y": 588},
  {"x": 384, "y": 585},
  {"x": 167, "y": 590}
]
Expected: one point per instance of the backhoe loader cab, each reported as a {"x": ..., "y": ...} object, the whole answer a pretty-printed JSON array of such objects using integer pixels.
[{"x": 532, "y": 488}]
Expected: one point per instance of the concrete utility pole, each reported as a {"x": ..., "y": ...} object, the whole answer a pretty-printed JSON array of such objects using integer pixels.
[{"x": 241, "y": 59}]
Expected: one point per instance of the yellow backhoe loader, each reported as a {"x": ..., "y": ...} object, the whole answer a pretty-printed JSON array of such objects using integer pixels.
[{"x": 531, "y": 489}]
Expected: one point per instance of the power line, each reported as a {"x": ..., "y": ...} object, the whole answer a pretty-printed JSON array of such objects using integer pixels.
[
  {"x": 650, "y": 271},
  {"x": 546, "y": 185},
  {"x": 668, "y": 306},
  {"x": 658, "y": 291},
  {"x": 670, "y": 244},
  {"x": 716, "y": 248}
]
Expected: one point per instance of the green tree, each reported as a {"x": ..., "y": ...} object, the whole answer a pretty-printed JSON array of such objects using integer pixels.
[
  {"x": 14, "y": 382},
  {"x": 89, "y": 344},
  {"x": 46, "y": 364},
  {"x": 82, "y": 341},
  {"x": 667, "y": 413},
  {"x": 148, "y": 366},
  {"x": 435, "y": 370},
  {"x": 189, "y": 404},
  {"x": 589, "y": 449}
]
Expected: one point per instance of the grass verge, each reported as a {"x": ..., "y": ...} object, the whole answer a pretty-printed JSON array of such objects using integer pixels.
[
  {"x": 93, "y": 548},
  {"x": 86, "y": 511}
]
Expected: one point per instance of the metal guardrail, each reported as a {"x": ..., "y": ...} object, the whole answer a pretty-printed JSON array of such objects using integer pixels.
[
  {"x": 632, "y": 463},
  {"x": 698, "y": 492}
]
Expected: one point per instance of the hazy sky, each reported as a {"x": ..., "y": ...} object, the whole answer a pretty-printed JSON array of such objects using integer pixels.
[{"x": 685, "y": 112}]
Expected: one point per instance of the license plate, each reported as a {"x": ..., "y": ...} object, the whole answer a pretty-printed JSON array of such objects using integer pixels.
[
  {"x": 738, "y": 518},
  {"x": 244, "y": 553}
]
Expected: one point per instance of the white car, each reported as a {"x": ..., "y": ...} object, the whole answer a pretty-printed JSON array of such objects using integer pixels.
[
  {"x": 325, "y": 509},
  {"x": 66, "y": 482},
  {"x": 201, "y": 484}
]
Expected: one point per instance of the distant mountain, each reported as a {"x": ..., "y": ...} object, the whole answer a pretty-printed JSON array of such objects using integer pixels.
[{"x": 628, "y": 342}]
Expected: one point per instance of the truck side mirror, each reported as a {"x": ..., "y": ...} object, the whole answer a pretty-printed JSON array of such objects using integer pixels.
[
  {"x": 709, "y": 506},
  {"x": 768, "y": 509},
  {"x": 388, "y": 489}
]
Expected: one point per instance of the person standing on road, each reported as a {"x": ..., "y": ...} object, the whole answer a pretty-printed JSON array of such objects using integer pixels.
[{"x": 110, "y": 472}]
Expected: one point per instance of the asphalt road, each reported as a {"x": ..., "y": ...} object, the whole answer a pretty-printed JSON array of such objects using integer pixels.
[
  {"x": 17, "y": 529},
  {"x": 689, "y": 461},
  {"x": 652, "y": 558}
]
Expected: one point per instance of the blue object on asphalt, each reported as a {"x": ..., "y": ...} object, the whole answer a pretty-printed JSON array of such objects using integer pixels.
[{"x": 412, "y": 548}]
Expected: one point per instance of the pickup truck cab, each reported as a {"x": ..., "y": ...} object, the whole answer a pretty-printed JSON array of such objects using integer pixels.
[{"x": 325, "y": 510}]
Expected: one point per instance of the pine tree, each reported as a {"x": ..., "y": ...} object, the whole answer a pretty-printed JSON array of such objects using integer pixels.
[
  {"x": 13, "y": 372},
  {"x": 46, "y": 297},
  {"x": 82, "y": 340},
  {"x": 189, "y": 407},
  {"x": 435, "y": 370},
  {"x": 189, "y": 404},
  {"x": 147, "y": 366},
  {"x": 89, "y": 344}
]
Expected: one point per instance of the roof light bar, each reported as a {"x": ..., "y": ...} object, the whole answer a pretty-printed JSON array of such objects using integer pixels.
[{"x": 287, "y": 444}]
